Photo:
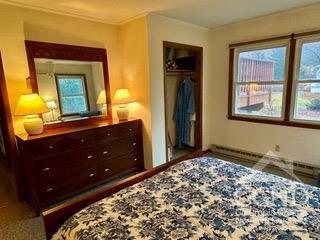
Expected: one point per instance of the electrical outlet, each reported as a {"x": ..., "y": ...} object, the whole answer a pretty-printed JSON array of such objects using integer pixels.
[{"x": 277, "y": 148}]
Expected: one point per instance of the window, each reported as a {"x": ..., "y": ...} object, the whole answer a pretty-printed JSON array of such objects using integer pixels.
[
  {"x": 307, "y": 81},
  {"x": 260, "y": 81},
  {"x": 276, "y": 81},
  {"x": 72, "y": 94}
]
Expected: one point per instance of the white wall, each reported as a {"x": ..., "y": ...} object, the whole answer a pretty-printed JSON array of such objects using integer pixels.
[
  {"x": 172, "y": 84},
  {"x": 297, "y": 144},
  {"x": 165, "y": 29}
]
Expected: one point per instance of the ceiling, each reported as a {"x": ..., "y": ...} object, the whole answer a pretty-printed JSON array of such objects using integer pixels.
[{"x": 206, "y": 13}]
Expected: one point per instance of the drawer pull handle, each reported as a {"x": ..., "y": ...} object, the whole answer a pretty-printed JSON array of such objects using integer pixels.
[
  {"x": 134, "y": 144},
  {"x": 108, "y": 134},
  {"x": 46, "y": 169},
  {"x": 90, "y": 156},
  {"x": 49, "y": 189},
  {"x": 130, "y": 129},
  {"x": 50, "y": 147},
  {"x": 105, "y": 152},
  {"x": 107, "y": 170},
  {"x": 91, "y": 175},
  {"x": 82, "y": 140},
  {"x": 135, "y": 159}
]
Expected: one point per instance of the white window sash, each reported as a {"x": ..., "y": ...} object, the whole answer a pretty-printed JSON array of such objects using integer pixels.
[
  {"x": 296, "y": 81},
  {"x": 261, "y": 46}
]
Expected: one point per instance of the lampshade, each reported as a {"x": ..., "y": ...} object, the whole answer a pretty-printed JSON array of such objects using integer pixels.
[
  {"x": 122, "y": 96},
  {"x": 30, "y": 104},
  {"x": 51, "y": 104},
  {"x": 102, "y": 99},
  {"x": 253, "y": 86}
]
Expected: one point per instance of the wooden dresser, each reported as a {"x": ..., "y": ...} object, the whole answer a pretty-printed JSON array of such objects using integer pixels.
[{"x": 62, "y": 162}]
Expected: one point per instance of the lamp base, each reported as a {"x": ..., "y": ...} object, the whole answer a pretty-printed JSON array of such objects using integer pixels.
[
  {"x": 123, "y": 112},
  {"x": 33, "y": 125},
  {"x": 104, "y": 109}
]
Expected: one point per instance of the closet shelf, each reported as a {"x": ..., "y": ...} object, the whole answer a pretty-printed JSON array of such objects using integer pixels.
[{"x": 179, "y": 72}]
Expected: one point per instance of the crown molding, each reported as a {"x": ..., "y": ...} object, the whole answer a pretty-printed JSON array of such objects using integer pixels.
[{"x": 59, "y": 12}]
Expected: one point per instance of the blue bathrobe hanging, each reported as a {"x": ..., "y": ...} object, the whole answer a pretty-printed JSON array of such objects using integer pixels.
[{"x": 185, "y": 107}]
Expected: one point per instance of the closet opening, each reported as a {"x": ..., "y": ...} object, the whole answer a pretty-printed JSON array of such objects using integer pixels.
[{"x": 183, "y": 95}]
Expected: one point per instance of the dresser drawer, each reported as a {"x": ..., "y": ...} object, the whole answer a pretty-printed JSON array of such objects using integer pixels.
[
  {"x": 116, "y": 148},
  {"x": 46, "y": 147},
  {"x": 64, "y": 167},
  {"x": 57, "y": 189},
  {"x": 56, "y": 145},
  {"x": 106, "y": 134},
  {"x": 129, "y": 129},
  {"x": 111, "y": 167},
  {"x": 80, "y": 139}
]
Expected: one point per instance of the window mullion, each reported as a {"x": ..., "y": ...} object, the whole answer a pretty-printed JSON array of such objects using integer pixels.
[{"x": 288, "y": 91}]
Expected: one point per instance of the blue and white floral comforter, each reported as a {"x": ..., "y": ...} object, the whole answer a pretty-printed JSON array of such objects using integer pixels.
[{"x": 203, "y": 198}]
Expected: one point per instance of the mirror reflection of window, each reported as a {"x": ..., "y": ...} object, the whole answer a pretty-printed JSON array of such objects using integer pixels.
[
  {"x": 74, "y": 86},
  {"x": 72, "y": 94}
]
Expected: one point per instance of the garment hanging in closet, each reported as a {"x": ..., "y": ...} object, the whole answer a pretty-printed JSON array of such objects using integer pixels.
[{"x": 185, "y": 107}]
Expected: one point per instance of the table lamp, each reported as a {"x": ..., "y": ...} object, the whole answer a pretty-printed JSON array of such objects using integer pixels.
[
  {"x": 30, "y": 105},
  {"x": 122, "y": 97},
  {"x": 102, "y": 100},
  {"x": 52, "y": 105}
]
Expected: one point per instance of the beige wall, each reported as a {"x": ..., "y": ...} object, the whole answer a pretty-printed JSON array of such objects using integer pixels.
[
  {"x": 297, "y": 144},
  {"x": 165, "y": 29},
  {"x": 134, "y": 45},
  {"x": 127, "y": 50},
  {"x": 19, "y": 24}
]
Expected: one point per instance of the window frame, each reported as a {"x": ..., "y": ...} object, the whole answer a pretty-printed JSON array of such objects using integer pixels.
[
  {"x": 284, "y": 82},
  {"x": 295, "y": 81},
  {"x": 288, "y": 93},
  {"x": 85, "y": 94}
]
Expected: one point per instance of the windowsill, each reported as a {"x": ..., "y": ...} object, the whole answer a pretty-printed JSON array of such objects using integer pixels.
[
  {"x": 275, "y": 122},
  {"x": 262, "y": 117}
]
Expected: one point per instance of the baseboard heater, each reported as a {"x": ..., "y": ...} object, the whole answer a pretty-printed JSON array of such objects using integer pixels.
[{"x": 269, "y": 160}]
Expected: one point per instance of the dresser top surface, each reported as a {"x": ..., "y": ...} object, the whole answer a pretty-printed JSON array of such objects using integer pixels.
[{"x": 72, "y": 129}]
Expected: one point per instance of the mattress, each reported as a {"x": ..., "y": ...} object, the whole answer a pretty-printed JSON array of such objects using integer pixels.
[{"x": 203, "y": 198}]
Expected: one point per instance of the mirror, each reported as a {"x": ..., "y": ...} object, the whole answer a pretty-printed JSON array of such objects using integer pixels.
[
  {"x": 71, "y": 89},
  {"x": 72, "y": 80}
]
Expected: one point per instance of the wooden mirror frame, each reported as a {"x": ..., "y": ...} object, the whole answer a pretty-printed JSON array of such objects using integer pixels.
[{"x": 36, "y": 49}]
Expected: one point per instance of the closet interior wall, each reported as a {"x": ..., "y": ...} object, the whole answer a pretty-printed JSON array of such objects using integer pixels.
[{"x": 181, "y": 62}]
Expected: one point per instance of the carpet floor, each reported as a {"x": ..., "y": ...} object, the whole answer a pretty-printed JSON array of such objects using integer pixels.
[{"x": 17, "y": 221}]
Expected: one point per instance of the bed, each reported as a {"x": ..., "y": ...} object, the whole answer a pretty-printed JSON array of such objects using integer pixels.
[{"x": 202, "y": 198}]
